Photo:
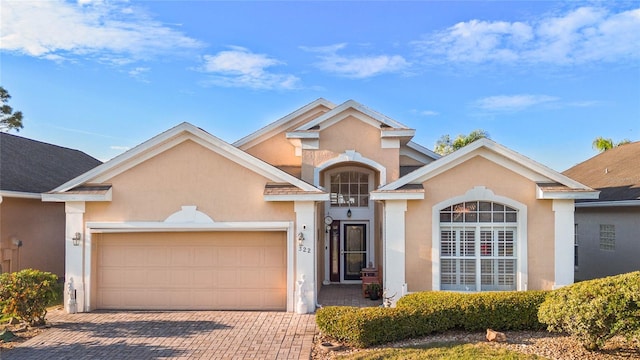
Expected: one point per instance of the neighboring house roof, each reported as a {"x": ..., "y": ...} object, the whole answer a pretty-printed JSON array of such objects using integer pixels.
[
  {"x": 615, "y": 172},
  {"x": 550, "y": 184},
  {"x": 73, "y": 189},
  {"x": 30, "y": 166}
]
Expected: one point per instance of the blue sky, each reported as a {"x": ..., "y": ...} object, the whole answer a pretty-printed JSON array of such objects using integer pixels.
[{"x": 543, "y": 78}]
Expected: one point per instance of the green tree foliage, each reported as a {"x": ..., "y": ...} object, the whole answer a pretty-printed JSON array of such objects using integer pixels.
[
  {"x": 601, "y": 144},
  {"x": 27, "y": 293},
  {"x": 9, "y": 120},
  {"x": 445, "y": 145},
  {"x": 596, "y": 310}
]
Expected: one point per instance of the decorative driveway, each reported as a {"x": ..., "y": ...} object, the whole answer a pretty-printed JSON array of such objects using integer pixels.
[{"x": 171, "y": 335}]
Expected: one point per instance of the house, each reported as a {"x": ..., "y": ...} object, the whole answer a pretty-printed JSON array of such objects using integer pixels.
[
  {"x": 188, "y": 221},
  {"x": 32, "y": 232},
  {"x": 607, "y": 241}
]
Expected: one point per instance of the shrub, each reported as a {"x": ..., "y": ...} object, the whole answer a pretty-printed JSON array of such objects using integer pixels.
[
  {"x": 505, "y": 310},
  {"x": 363, "y": 327},
  {"x": 420, "y": 314},
  {"x": 596, "y": 310},
  {"x": 27, "y": 293}
]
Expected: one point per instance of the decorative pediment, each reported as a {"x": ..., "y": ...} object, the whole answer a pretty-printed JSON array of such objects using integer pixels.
[{"x": 189, "y": 214}]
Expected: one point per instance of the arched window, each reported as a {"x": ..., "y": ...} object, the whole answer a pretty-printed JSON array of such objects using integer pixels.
[
  {"x": 349, "y": 189},
  {"x": 478, "y": 246}
]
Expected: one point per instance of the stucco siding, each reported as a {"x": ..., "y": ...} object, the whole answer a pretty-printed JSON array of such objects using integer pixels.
[
  {"x": 277, "y": 151},
  {"x": 351, "y": 134},
  {"x": 594, "y": 262},
  {"x": 40, "y": 226},
  {"x": 455, "y": 182},
  {"x": 188, "y": 174}
]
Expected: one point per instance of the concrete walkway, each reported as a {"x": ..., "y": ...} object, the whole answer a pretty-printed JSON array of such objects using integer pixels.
[{"x": 171, "y": 335}]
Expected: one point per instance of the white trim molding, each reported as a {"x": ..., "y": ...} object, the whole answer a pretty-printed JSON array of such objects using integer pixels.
[
  {"x": 481, "y": 193},
  {"x": 350, "y": 156},
  {"x": 394, "y": 248},
  {"x": 564, "y": 228}
]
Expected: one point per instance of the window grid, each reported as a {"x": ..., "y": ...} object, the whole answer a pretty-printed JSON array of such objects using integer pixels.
[
  {"x": 350, "y": 189},
  {"x": 607, "y": 237},
  {"x": 478, "y": 255}
]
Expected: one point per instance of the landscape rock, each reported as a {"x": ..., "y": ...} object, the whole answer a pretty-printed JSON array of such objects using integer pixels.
[{"x": 496, "y": 336}]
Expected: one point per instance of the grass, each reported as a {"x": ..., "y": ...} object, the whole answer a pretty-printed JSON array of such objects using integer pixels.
[{"x": 441, "y": 351}]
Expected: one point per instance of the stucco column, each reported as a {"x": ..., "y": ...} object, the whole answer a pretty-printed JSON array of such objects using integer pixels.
[
  {"x": 73, "y": 277},
  {"x": 305, "y": 243},
  {"x": 564, "y": 238},
  {"x": 394, "y": 248}
]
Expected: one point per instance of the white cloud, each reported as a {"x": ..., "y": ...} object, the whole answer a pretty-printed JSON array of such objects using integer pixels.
[
  {"x": 510, "y": 103},
  {"x": 59, "y": 30},
  {"x": 429, "y": 113},
  {"x": 139, "y": 73},
  {"x": 239, "y": 67},
  {"x": 585, "y": 34},
  {"x": 119, "y": 148},
  {"x": 356, "y": 66}
]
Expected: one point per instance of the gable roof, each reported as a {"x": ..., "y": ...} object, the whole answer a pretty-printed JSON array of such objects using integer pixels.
[
  {"x": 615, "y": 172},
  {"x": 167, "y": 140},
  {"x": 30, "y": 166},
  {"x": 550, "y": 184},
  {"x": 352, "y": 104},
  {"x": 282, "y": 123}
]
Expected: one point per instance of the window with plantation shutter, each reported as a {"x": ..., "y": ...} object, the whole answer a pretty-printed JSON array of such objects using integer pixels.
[{"x": 478, "y": 247}]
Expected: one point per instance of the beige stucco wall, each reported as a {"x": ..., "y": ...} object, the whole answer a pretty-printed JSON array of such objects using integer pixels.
[
  {"x": 277, "y": 151},
  {"x": 407, "y": 161},
  {"x": 350, "y": 134},
  {"x": 40, "y": 226},
  {"x": 479, "y": 171},
  {"x": 188, "y": 174}
]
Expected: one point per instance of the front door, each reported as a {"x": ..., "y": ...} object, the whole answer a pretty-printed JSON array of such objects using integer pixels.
[{"x": 354, "y": 250}]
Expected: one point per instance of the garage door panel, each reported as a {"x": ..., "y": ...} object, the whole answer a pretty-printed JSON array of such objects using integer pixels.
[
  {"x": 274, "y": 257},
  {"x": 225, "y": 271},
  {"x": 204, "y": 256}
]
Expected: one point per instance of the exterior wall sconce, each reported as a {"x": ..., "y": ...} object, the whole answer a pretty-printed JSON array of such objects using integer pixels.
[
  {"x": 349, "y": 213},
  {"x": 76, "y": 239},
  {"x": 300, "y": 238}
]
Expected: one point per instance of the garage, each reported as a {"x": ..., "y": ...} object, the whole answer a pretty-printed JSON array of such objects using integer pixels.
[{"x": 214, "y": 270}]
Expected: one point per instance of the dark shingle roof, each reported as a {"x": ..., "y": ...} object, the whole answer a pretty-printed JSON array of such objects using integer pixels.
[
  {"x": 35, "y": 167},
  {"x": 615, "y": 172}
]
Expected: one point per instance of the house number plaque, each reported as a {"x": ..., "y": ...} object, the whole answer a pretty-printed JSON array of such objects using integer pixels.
[{"x": 304, "y": 249}]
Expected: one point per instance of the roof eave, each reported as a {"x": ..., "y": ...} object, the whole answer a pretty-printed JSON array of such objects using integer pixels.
[
  {"x": 575, "y": 195},
  {"x": 63, "y": 197},
  {"x": 397, "y": 195},
  {"x": 612, "y": 203},
  {"x": 298, "y": 197}
]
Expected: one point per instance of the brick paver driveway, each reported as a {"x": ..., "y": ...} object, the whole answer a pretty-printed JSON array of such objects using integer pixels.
[{"x": 171, "y": 335}]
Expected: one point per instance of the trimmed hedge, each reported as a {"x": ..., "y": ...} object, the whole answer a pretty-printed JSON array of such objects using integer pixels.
[
  {"x": 424, "y": 313},
  {"x": 596, "y": 310},
  {"x": 505, "y": 310}
]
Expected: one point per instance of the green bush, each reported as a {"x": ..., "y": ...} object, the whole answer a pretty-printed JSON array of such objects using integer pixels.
[
  {"x": 596, "y": 310},
  {"x": 27, "y": 293},
  {"x": 504, "y": 310},
  {"x": 420, "y": 314}
]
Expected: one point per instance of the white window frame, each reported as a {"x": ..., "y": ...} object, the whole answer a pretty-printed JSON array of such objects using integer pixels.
[{"x": 481, "y": 193}]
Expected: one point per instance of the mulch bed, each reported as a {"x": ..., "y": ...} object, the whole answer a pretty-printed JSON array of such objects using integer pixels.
[{"x": 541, "y": 343}]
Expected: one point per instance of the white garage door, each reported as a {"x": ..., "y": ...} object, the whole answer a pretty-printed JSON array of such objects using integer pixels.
[{"x": 204, "y": 271}]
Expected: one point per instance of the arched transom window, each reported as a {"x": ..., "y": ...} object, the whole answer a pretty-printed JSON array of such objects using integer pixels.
[
  {"x": 349, "y": 189},
  {"x": 478, "y": 246}
]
